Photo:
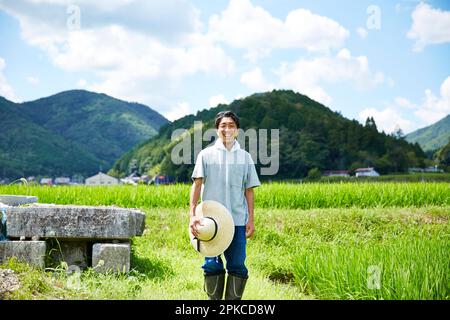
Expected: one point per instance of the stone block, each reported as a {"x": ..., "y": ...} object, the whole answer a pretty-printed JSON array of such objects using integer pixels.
[
  {"x": 13, "y": 200},
  {"x": 111, "y": 257},
  {"x": 74, "y": 222},
  {"x": 31, "y": 252}
]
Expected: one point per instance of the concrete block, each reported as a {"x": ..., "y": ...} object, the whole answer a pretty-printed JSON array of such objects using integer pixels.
[
  {"x": 32, "y": 252},
  {"x": 13, "y": 200},
  {"x": 111, "y": 257},
  {"x": 74, "y": 222}
]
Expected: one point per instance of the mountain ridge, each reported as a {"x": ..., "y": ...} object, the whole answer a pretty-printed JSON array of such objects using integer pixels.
[
  {"x": 92, "y": 129},
  {"x": 432, "y": 137}
]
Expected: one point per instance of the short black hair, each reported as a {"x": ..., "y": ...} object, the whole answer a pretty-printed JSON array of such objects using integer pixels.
[{"x": 227, "y": 114}]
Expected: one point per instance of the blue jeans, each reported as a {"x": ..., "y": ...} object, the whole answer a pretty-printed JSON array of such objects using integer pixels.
[{"x": 235, "y": 256}]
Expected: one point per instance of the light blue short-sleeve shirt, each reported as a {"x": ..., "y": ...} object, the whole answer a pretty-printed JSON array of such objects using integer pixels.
[{"x": 226, "y": 175}]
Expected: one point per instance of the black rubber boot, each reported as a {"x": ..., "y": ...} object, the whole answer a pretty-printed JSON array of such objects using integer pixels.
[
  {"x": 214, "y": 285},
  {"x": 235, "y": 287}
]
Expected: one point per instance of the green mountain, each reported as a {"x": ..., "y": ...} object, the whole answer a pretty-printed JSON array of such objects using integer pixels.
[
  {"x": 432, "y": 137},
  {"x": 442, "y": 157},
  {"x": 311, "y": 136},
  {"x": 72, "y": 132}
]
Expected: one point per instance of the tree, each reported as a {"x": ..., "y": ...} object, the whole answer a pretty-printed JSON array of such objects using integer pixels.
[
  {"x": 443, "y": 157},
  {"x": 398, "y": 133},
  {"x": 133, "y": 166},
  {"x": 314, "y": 174},
  {"x": 370, "y": 123}
]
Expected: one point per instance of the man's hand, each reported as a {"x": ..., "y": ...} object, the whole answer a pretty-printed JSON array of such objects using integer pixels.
[
  {"x": 249, "y": 229},
  {"x": 194, "y": 222},
  {"x": 250, "y": 226}
]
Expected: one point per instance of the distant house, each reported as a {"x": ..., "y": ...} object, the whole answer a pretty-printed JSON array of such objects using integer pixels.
[
  {"x": 101, "y": 179},
  {"x": 62, "y": 181},
  {"x": 366, "y": 172},
  {"x": 336, "y": 173},
  {"x": 163, "y": 179},
  {"x": 46, "y": 181},
  {"x": 433, "y": 169},
  {"x": 132, "y": 179}
]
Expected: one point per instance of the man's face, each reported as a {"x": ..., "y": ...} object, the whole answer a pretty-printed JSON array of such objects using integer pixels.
[{"x": 227, "y": 130}]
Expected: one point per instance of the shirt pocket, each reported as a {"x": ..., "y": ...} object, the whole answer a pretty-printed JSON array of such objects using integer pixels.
[{"x": 237, "y": 175}]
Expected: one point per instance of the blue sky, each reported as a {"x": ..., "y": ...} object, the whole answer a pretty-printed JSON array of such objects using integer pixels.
[{"x": 386, "y": 59}]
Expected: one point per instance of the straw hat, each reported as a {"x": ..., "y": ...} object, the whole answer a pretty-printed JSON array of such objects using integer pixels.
[{"x": 216, "y": 230}]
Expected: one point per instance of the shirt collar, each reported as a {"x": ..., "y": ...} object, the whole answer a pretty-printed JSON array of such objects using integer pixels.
[{"x": 219, "y": 145}]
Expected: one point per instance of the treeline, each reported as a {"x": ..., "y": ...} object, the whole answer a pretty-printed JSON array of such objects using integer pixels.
[{"x": 311, "y": 136}]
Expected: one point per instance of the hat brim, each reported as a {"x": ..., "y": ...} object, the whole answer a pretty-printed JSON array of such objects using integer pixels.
[{"x": 225, "y": 229}]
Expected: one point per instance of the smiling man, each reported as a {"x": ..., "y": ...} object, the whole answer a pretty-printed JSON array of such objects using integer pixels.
[{"x": 228, "y": 175}]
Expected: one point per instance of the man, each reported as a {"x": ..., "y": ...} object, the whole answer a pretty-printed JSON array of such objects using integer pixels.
[{"x": 228, "y": 175}]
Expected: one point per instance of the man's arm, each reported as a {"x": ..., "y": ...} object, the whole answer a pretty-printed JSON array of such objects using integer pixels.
[
  {"x": 193, "y": 200},
  {"x": 250, "y": 226}
]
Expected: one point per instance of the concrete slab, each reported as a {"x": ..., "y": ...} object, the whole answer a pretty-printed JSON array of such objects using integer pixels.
[{"x": 74, "y": 222}]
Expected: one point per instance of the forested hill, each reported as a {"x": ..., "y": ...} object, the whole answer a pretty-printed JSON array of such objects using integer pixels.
[
  {"x": 311, "y": 136},
  {"x": 72, "y": 132},
  {"x": 432, "y": 137}
]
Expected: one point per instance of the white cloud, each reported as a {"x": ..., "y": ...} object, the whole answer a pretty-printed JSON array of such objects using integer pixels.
[
  {"x": 405, "y": 103},
  {"x": 254, "y": 79},
  {"x": 180, "y": 110},
  {"x": 114, "y": 48},
  {"x": 308, "y": 75},
  {"x": 387, "y": 120},
  {"x": 6, "y": 90},
  {"x": 33, "y": 80},
  {"x": 430, "y": 26},
  {"x": 129, "y": 49},
  {"x": 81, "y": 83},
  {"x": 243, "y": 25},
  {"x": 169, "y": 20},
  {"x": 214, "y": 101},
  {"x": 432, "y": 109},
  {"x": 362, "y": 32}
]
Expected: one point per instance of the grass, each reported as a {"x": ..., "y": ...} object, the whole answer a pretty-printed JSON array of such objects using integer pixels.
[
  {"x": 295, "y": 254},
  {"x": 407, "y": 268},
  {"x": 272, "y": 195},
  {"x": 331, "y": 253},
  {"x": 401, "y": 177}
]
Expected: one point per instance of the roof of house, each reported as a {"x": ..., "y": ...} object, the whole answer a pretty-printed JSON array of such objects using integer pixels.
[
  {"x": 102, "y": 175},
  {"x": 62, "y": 179},
  {"x": 364, "y": 169}
]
